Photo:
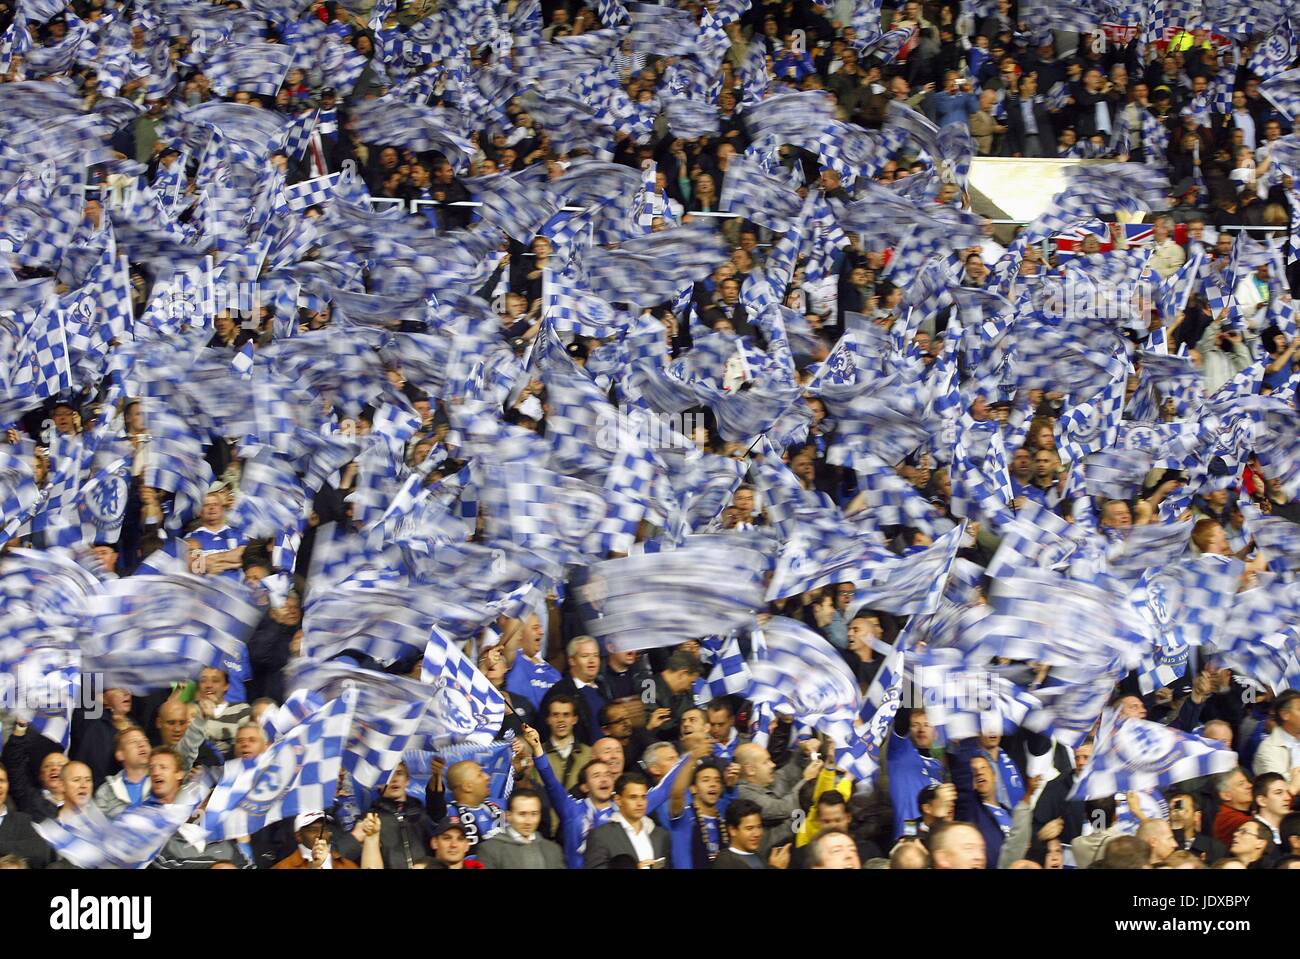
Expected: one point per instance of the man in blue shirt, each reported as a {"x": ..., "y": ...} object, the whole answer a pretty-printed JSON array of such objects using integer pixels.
[
  {"x": 221, "y": 549},
  {"x": 695, "y": 809},
  {"x": 793, "y": 63},
  {"x": 578, "y": 817},
  {"x": 531, "y": 676},
  {"x": 952, "y": 104},
  {"x": 911, "y": 767}
]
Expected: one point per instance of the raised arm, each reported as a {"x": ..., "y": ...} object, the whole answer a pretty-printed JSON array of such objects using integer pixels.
[
  {"x": 679, "y": 783},
  {"x": 561, "y": 801},
  {"x": 372, "y": 856}
]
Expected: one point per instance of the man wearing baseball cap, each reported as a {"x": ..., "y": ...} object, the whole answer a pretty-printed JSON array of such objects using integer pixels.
[
  {"x": 450, "y": 845},
  {"x": 313, "y": 832}
]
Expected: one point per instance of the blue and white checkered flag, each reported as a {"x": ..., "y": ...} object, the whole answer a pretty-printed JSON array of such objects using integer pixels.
[
  {"x": 800, "y": 670},
  {"x": 131, "y": 840},
  {"x": 912, "y": 584},
  {"x": 662, "y": 31},
  {"x": 1133, "y": 754},
  {"x": 1091, "y": 426},
  {"x": 387, "y": 620},
  {"x": 297, "y": 774},
  {"x": 707, "y": 586},
  {"x": 295, "y": 710},
  {"x": 612, "y": 13},
  {"x": 518, "y": 204},
  {"x": 466, "y": 704},
  {"x": 256, "y": 68},
  {"x": 729, "y": 673},
  {"x": 1183, "y": 604},
  {"x": 752, "y": 193},
  {"x": 1283, "y": 92},
  {"x": 1267, "y": 608},
  {"x": 47, "y": 352},
  {"x": 1277, "y": 53},
  {"x": 242, "y": 363},
  {"x": 567, "y": 306},
  {"x": 19, "y": 494},
  {"x": 967, "y": 700},
  {"x": 176, "y": 617},
  {"x": 96, "y": 512},
  {"x": 308, "y": 193},
  {"x": 1278, "y": 539},
  {"x": 1035, "y": 538},
  {"x": 381, "y": 733},
  {"x": 1174, "y": 291},
  {"x": 297, "y": 134},
  {"x": 1042, "y": 616},
  {"x": 814, "y": 557},
  {"x": 1115, "y": 474},
  {"x": 884, "y": 697},
  {"x": 889, "y": 500}
]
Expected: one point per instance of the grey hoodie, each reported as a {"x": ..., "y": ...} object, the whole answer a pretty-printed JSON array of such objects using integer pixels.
[{"x": 503, "y": 851}]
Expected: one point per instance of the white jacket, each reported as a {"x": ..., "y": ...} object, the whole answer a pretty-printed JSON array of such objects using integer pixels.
[{"x": 1278, "y": 753}]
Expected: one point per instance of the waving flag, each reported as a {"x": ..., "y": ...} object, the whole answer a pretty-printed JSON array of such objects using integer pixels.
[
  {"x": 1174, "y": 291},
  {"x": 967, "y": 700},
  {"x": 167, "y": 626},
  {"x": 800, "y": 670},
  {"x": 728, "y": 675},
  {"x": 705, "y": 587},
  {"x": 912, "y": 584},
  {"x": 1277, "y": 53},
  {"x": 1133, "y": 754},
  {"x": 298, "y": 773},
  {"x": 884, "y": 697},
  {"x": 131, "y": 840},
  {"x": 750, "y": 192},
  {"x": 19, "y": 493},
  {"x": 465, "y": 702},
  {"x": 1183, "y": 604}
]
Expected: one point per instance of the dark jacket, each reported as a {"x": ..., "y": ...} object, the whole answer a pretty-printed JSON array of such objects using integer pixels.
[
  {"x": 18, "y": 838},
  {"x": 630, "y": 683},
  {"x": 20, "y": 756},
  {"x": 268, "y": 653},
  {"x": 404, "y": 832},
  {"x": 1053, "y": 804},
  {"x": 92, "y": 743},
  {"x": 606, "y": 842},
  {"x": 726, "y": 859},
  {"x": 970, "y": 807},
  {"x": 588, "y": 730},
  {"x": 1015, "y": 137}
]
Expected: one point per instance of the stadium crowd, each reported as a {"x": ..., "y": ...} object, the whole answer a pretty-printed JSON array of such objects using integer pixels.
[{"x": 318, "y": 555}]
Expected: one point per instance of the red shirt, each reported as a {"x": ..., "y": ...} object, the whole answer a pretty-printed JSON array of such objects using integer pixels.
[{"x": 1226, "y": 823}]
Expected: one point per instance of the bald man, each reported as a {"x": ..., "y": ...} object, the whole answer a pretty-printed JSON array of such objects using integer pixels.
[
  {"x": 1219, "y": 731},
  {"x": 1024, "y": 864},
  {"x": 909, "y": 854},
  {"x": 182, "y": 727},
  {"x": 957, "y": 845},
  {"x": 479, "y": 816},
  {"x": 1159, "y": 837},
  {"x": 78, "y": 788},
  {"x": 775, "y": 791}
]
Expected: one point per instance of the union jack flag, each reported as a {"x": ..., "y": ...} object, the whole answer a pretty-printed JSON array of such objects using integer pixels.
[{"x": 1070, "y": 242}]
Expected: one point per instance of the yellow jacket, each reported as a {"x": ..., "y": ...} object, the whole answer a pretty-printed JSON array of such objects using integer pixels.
[{"x": 825, "y": 780}]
